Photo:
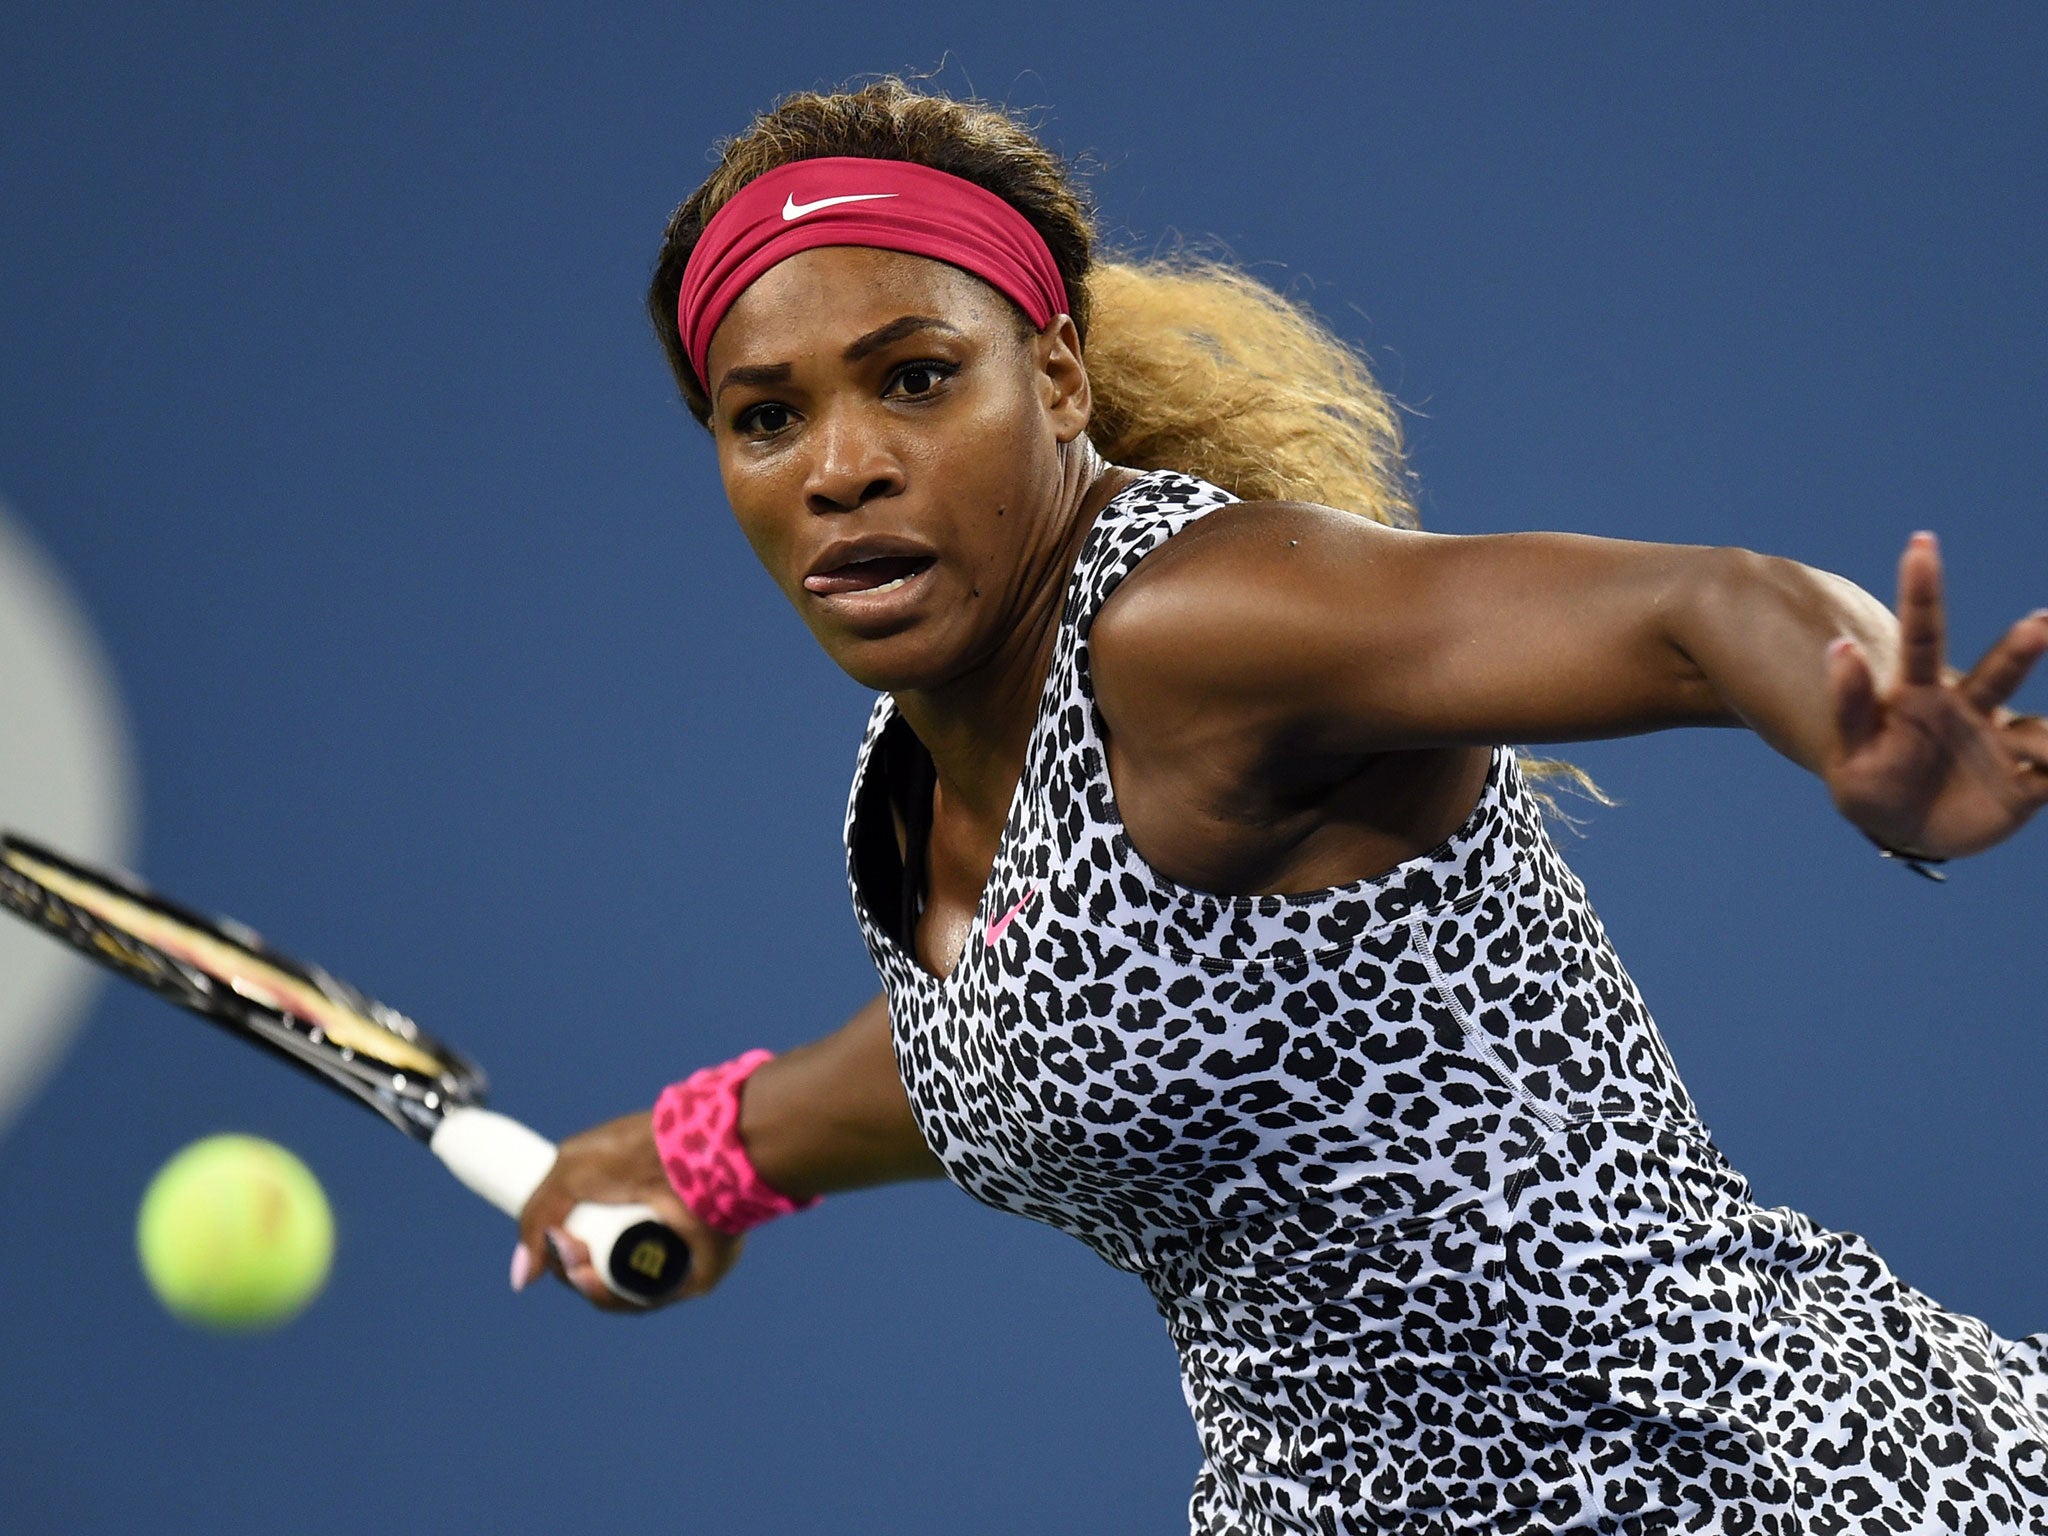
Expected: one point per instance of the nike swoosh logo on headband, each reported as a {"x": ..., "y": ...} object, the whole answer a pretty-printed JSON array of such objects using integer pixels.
[{"x": 792, "y": 209}]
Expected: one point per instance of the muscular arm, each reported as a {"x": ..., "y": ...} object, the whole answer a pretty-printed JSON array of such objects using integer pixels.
[
  {"x": 832, "y": 1115},
  {"x": 1287, "y": 642},
  {"x": 1324, "y": 635}
]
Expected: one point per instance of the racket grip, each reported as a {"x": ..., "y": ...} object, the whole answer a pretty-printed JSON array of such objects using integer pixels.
[{"x": 640, "y": 1258}]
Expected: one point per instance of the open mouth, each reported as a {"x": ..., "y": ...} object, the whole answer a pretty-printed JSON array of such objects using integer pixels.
[{"x": 883, "y": 573}]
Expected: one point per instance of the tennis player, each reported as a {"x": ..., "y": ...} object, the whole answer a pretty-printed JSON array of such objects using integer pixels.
[{"x": 1216, "y": 921}]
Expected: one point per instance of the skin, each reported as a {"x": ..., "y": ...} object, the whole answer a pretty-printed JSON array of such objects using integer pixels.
[{"x": 1295, "y": 697}]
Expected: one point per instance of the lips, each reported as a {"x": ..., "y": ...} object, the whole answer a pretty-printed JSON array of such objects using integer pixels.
[{"x": 850, "y": 571}]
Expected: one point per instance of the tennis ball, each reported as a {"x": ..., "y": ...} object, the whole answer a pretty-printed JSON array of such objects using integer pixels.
[{"x": 235, "y": 1234}]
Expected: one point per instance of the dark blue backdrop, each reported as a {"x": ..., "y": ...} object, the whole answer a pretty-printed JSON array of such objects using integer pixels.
[{"x": 323, "y": 376}]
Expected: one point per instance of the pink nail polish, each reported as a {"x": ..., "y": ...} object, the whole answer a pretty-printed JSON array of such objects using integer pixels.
[{"x": 522, "y": 1267}]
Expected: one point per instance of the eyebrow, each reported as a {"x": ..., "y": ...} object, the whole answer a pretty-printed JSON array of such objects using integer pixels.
[
  {"x": 858, "y": 348},
  {"x": 757, "y": 373},
  {"x": 895, "y": 330}
]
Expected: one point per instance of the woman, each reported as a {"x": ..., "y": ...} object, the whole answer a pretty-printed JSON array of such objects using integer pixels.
[{"x": 1215, "y": 922}]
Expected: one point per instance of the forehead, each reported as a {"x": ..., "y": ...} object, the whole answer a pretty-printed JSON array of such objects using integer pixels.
[{"x": 819, "y": 300}]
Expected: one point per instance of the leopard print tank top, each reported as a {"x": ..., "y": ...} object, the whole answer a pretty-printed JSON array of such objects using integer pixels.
[{"x": 1440, "y": 1238}]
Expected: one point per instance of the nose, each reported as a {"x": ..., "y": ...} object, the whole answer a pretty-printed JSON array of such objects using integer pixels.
[{"x": 851, "y": 465}]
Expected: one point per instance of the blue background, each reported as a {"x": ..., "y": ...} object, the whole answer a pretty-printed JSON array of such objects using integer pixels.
[{"x": 323, "y": 375}]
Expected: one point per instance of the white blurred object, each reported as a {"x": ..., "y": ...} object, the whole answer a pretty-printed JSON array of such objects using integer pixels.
[{"x": 65, "y": 779}]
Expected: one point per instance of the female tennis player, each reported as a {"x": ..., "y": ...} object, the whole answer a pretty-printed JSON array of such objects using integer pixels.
[{"x": 1216, "y": 921}]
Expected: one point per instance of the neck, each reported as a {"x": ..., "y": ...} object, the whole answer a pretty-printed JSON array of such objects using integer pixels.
[{"x": 977, "y": 726}]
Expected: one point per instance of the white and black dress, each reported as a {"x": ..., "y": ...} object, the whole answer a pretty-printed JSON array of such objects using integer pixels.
[{"x": 1439, "y": 1235}]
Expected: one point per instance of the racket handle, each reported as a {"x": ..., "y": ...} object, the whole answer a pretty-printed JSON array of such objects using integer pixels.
[{"x": 640, "y": 1258}]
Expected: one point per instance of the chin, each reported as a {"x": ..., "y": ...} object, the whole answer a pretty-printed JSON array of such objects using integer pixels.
[{"x": 904, "y": 662}]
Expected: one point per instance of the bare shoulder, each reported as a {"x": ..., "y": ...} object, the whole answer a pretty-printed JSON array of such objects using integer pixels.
[
  {"x": 1231, "y": 607},
  {"x": 1262, "y": 540},
  {"x": 1220, "y": 664}
]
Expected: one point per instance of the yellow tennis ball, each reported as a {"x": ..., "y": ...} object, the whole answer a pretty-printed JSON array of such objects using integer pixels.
[{"x": 235, "y": 1234}]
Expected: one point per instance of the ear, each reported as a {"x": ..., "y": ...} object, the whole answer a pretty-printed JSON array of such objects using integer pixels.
[{"x": 1063, "y": 379}]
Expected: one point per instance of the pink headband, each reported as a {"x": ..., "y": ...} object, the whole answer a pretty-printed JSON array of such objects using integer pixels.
[{"x": 892, "y": 205}]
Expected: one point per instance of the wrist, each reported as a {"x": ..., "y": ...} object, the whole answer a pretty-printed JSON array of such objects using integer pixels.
[
  {"x": 696, "y": 1133},
  {"x": 778, "y": 1129}
]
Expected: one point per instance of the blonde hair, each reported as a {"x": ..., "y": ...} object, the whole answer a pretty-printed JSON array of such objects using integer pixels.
[{"x": 1198, "y": 366}]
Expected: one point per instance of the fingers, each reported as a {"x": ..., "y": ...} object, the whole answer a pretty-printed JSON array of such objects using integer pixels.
[
  {"x": 571, "y": 1255},
  {"x": 545, "y": 1210},
  {"x": 609, "y": 1163},
  {"x": 712, "y": 1253},
  {"x": 545, "y": 1245},
  {"x": 573, "y": 1264},
  {"x": 1853, "y": 692},
  {"x": 1923, "y": 624},
  {"x": 613, "y": 1164},
  {"x": 2005, "y": 666},
  {"x": 2026, "y": 738}
]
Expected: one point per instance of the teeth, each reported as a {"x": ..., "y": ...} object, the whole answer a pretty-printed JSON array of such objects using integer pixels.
[{"x": 889, "y": 586}]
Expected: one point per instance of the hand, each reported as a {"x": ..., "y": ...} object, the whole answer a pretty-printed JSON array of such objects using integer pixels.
[
  {"x": 1935, "y": 764},
  {"x": 615, "y": 1163}
]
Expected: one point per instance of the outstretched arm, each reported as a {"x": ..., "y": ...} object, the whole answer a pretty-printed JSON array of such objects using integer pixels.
[
  {"x": 1318, "y": 635},
  {"x": 827, "y": 1116}
]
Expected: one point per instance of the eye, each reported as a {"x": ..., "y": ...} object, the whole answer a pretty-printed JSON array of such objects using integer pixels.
[
  {"x": 920, "y": 378},
  {"x": 764, "y": 420}
]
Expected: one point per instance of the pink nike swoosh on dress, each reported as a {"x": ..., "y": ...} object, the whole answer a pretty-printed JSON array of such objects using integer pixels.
[{"x": 996, "y": 925}]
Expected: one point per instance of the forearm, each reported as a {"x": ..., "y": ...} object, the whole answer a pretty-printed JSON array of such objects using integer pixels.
[
  {"x": 832, "y": 1115},
  {"x": 1757, "y": 629}
]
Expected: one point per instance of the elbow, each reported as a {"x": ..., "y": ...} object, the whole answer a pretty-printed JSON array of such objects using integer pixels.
[
  {"x": 1726, "y": 588},
  {"x": 1744, "y": 594},
  {"x": 1718, "y": 608}
]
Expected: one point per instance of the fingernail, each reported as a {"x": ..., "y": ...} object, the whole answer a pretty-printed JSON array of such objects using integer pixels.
[{"x": 522, "y": 1267}]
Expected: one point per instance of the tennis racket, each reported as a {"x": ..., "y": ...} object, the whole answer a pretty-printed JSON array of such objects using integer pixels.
[{"x": 222, "y": 971}]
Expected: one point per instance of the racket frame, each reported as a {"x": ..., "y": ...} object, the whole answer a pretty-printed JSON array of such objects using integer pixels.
[{"x": 408, "y": 1101}]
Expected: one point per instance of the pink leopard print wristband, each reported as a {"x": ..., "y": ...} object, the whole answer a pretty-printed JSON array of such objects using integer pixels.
[{"x": 697, "y": 1133}]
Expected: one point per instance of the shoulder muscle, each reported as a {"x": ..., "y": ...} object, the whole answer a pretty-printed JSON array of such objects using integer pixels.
[
  {"x": 1217, "y": 645},
  {"x": 1238, "y": 612}
]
